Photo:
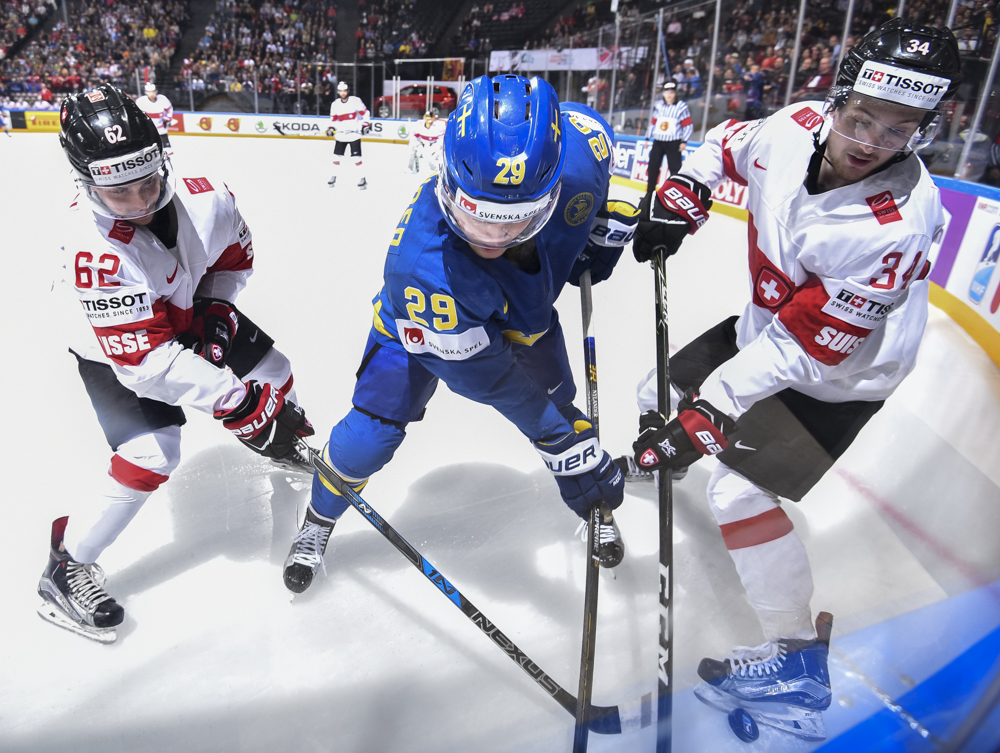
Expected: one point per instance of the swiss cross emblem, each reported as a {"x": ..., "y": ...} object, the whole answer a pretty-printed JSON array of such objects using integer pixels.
[
  {"x": 648, "y": 458},
  {"x": 877, "y": 76},
  {"x": 770, "y": 290},
  {"x": 857, "y": 301}
]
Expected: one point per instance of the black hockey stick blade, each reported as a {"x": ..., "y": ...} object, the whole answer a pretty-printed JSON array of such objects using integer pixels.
[{"x": 604, "y": 720}]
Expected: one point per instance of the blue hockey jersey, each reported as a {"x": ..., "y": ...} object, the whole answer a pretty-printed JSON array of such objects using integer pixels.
[{"x": 461, "y": 315}]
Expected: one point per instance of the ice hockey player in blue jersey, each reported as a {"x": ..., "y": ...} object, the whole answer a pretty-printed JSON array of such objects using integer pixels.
[{"x": 471, "y": 275}]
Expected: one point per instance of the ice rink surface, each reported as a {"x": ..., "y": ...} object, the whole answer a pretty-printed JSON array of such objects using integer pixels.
[{"x": 215, "y": 655}]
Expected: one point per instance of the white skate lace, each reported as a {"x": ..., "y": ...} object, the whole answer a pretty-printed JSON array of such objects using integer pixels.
[
  {"x": 310, "y": 543},
  {"x": 85, "y": 583},
  {"x": 758, "y": 661}
]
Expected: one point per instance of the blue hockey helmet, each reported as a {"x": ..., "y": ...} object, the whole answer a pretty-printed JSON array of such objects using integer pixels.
[{"x": 503, "y": 161}]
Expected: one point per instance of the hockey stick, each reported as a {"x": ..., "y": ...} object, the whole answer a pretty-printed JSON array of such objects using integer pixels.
[
  {"x": 604, "y": 720},
  {"x": 589, "y": 647},
  {"x": 665, "y": 661}
]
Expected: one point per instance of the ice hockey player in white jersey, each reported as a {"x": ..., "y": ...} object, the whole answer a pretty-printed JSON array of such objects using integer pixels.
[
  {"x": 841, "y": 220},
  {"x": 349, "y": 120},
  {"x": 426, "y": 142},
  {"x": 156, "y": 270},
  {"x": 159, "y": 110}
]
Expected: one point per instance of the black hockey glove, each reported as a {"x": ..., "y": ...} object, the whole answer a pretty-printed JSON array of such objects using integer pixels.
[
  {"x": 331, "y": 131},
  {"x": 213, "y": 328},
  {"x": 600, "y": 260},
  {"x": 585, "y": 473},
  {"x": 267, "y": 423},
  {"x": 699, "y": 429},
  {"x": 366, "y": 128},
  {"x": 680, "y": 208}
]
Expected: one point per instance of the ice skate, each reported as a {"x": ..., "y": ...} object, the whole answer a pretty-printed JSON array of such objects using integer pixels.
[
  {"x": 306, "y": 554},
  {"x": 75, "y": 600},
  {"x": 784, "y": 684},
  {"x": 363, "y": 184},
  {"x": 610, "y": 546},
  {"x": 332, "y": 182},
  {"x": 635, "y": 474}
]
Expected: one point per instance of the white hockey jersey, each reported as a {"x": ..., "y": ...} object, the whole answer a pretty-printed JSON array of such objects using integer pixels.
[
  {"x": 161, "y": 112},
  {"x": 348, "y": 118},
  {"x": 839, "y": 297},
  {"x": 138, "y": 295},
  {"x": 428, "y": 138}
]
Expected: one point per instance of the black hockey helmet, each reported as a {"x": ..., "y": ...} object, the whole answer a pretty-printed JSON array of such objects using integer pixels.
[
  {"x": 110, "y": 142},
  {"x": 900, "y": 44},
  {"x": 902, "y": 65}
]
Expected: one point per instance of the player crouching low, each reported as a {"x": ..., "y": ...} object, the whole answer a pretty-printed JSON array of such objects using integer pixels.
[
  {"x": 156, "y": 272},
  {"x": 426, "y": 142},
  {"x": 474, "y": 268},
  {"x": 842, "y": 218}
]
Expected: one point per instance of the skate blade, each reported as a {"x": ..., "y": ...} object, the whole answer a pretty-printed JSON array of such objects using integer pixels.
[
  {"x": 295, "y": 465},
  {"x": 794, "y": 720},
  {"x": 51, "y": 613}
]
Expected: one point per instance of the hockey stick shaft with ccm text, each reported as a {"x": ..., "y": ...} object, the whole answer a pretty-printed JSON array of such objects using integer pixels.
[
  {"x": 588, "y": 649},
  {"x": 605, "y": 720},
  {"x": 664, "y": 661}
]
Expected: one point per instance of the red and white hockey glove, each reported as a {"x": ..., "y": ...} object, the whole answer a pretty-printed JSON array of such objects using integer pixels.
[
  {"x": 681, "y": 207},
  {"x": 699, "y": 429},
  {"x": 267, "y": 423}
]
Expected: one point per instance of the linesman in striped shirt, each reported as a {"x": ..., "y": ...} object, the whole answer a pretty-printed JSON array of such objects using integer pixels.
[{"x": 670, "y": 127}]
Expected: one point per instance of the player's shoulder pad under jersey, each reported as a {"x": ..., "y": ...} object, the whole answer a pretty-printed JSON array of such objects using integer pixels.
[{"x": 614, "y": 224}]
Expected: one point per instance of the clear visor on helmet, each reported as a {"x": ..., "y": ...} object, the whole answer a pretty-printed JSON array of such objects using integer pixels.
[
  {"x": 882, "y": 125},
  {"x": 136, "y": 198},
  {"x": 492, "y": 225}
]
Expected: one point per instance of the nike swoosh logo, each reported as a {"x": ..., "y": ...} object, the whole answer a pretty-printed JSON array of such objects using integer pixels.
[
  {"x": 756, "y": 163},
  {"x": 740, "y": 446},
  {"x": 254, "y": 338},
  {"x": 555, "y": 388},
  {"x": 170, "y": 278}
]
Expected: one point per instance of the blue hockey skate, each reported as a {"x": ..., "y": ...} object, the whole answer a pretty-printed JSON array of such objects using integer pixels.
[{"x": 784, "y": 684}]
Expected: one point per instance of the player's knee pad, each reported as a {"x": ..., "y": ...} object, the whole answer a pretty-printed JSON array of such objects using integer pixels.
[
  {"x": 360, "y": 444},
  {"x": 746, "y": 514},
  {"x": 145, "y": 462},
  {"x": 275, "y": 369}
]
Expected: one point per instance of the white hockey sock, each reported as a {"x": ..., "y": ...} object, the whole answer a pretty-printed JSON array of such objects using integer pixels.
[
  {"x": 95, "y": 528},
  {"x": 769, "y": 556}
]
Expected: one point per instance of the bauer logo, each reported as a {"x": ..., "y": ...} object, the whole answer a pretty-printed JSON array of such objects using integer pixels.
[
  {"x": 883, "y": 206},
  {"x": 419, "y": 339},
  {"x": 122, "y": 306},
  {"x": 904, "y": 87}
]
